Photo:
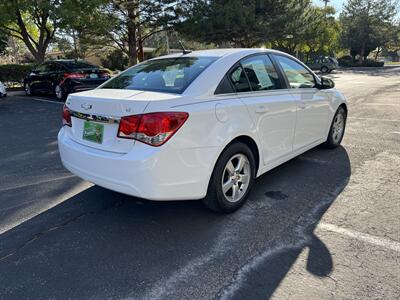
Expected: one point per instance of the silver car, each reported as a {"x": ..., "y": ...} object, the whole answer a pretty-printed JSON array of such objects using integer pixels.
[{"x": 323, "y": 63}]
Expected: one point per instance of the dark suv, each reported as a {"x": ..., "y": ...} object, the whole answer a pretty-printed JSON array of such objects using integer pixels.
[{"x": 62, "y": 77}]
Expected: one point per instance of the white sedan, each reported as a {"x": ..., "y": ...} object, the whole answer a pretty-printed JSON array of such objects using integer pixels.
[{"x": 200, "y": 125}]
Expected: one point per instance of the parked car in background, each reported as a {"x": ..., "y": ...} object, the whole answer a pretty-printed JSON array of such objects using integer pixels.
[
  {"x": 3, "y": 90},
  {"x": 62, "y": 77},
  {"x": 324, "y": 64},
  {"x": 200, "y": 125}
]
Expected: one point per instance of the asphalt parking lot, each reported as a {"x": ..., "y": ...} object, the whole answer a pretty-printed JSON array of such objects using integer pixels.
[{"x": 325, "y": 225}]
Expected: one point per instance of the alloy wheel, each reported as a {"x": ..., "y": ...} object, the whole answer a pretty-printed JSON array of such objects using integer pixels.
[
  {"x": 236, "y": 178},
  {"x": 338, "y": 127},
  {"x": 27, "y": 89},
  {"x": 58, "y": 92}
]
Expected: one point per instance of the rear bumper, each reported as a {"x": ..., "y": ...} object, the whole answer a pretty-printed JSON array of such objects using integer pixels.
[
  {"x": 74, "y": 86},
  {"x": 161, "y": 174}
]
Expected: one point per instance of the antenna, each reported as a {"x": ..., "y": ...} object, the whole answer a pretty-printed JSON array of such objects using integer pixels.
[{"x": 184, "y": 51}]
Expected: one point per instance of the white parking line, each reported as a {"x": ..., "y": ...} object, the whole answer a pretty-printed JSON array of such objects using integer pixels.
[
  {"x": 364, "y": 237},
  {"x": 44, "y": 100},
  {"x": 35, "y": 183},
  {"x": 382, "y": 104},
  {"x": 374, "y": 119}
]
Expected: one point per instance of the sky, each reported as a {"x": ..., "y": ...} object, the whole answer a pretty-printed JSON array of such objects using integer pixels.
[{"x": 338, "y": 4}]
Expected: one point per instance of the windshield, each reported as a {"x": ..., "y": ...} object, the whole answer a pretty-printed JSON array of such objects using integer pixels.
[{"x": 170, "y": 75}]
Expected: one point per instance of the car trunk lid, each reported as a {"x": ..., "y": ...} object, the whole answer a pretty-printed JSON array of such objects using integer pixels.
[{"x": 96, "y": 114}]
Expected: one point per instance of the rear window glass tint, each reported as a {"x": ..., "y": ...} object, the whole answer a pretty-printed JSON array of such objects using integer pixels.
[{"x": 170, "y": 75}]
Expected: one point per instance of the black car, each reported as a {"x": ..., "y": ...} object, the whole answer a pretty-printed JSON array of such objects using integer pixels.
[{"x": 62, "y": 77}]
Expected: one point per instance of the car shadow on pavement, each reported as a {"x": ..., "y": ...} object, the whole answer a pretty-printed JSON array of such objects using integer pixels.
[{"x": 101, "y": 244}]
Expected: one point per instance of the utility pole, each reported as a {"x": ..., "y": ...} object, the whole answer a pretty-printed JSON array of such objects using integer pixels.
[{"x": 326, "y": 2}]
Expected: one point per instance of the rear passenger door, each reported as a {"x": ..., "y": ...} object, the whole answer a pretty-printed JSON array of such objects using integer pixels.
[
  {"x": 269, "y": 103},
  {"x": 312, "y": 103}
]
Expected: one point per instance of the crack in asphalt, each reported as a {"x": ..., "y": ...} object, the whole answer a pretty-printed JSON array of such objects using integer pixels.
[{"x": 38, "y": 235}]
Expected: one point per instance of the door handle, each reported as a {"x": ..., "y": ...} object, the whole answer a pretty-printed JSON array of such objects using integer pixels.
[
  {"x": 262, "y": 109},
  {"x": 302, "y": 105}
]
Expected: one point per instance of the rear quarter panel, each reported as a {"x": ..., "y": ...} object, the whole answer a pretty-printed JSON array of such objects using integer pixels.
[{"x": 213, "y": 123}]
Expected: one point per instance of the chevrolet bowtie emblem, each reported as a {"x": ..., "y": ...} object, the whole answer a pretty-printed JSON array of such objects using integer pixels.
[{"x": 86, "y": 106}]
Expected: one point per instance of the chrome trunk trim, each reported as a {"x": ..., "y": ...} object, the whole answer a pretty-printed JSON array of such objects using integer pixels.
[{"x": 95, "y": 118}]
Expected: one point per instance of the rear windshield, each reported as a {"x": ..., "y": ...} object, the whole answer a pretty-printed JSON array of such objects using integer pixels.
[
  {"x": 78, "y": 65},
  {"x": 169, "y": 75}
]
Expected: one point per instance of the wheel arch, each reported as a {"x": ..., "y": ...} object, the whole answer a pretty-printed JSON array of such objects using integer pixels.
[
  {"x": 344, "y": 106},
  {"x": 251, "y": 143}
]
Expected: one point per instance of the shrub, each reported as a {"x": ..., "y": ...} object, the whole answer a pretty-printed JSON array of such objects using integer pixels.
[
  {"x": 347, "y": 61},
  {"x": 373, "y": 63},
  {"x": 14, "y": 73},
  {"x": 115, "y": 60}
]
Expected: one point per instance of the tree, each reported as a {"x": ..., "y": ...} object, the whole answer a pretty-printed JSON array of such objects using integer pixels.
[
  {"x": 36, "y": 22},
  {"x": 127, "y": 24},
  {"x": 29, "y": 21},
  {"x": 237, "y": 22},
  {"x": 322, "y": 35},
  {"x": 303, "y": 20},
  {"x": 366, "y": 24},
  {"x": 115, "y": 60}
]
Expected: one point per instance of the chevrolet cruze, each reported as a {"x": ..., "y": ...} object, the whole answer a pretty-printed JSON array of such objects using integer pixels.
[{"x": 201, "y": 125}]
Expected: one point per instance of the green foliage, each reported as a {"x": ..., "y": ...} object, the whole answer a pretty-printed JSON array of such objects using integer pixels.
[
  {"x": 127, "y": 24},
  {"x": 322, "y": 33},
  {"x": 116, "y": 60},
  {"x": 239, "y": 23},
  {"x": 36, "y": 22},
  {"x": 14, "y": 73},
  {"x": 347, "y": 62},
  {"x": 366, "y": 25},
  {"x": 3, "y": 42}
]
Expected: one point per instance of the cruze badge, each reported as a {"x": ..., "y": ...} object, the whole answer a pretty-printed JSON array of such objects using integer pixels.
[{"x": 86, "y": 106}]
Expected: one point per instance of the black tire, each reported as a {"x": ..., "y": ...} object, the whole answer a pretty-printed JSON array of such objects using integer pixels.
[
  {"x": 216, "y": 199},
  {"x": 333, "y": 140},
  {"x": 59, "y": 92},
  {"x": 324, "y": 69}
]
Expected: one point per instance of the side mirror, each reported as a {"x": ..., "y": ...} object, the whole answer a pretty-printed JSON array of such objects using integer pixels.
[{"x": 326, "y": 84}]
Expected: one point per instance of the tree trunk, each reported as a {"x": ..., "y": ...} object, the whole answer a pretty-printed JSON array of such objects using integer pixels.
[
  {"x": 140, "y": 48},
  {"x": 36, "y": 48},
  {"x": 362, "y": 52},
  {"x": 132, "y": 42}
]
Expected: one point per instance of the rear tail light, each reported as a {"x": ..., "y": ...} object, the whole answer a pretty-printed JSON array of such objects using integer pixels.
[
  {"x": 74, "y": 75},
  {"x": 153, "y": 129},
  {"x": 66, "y": 116}
]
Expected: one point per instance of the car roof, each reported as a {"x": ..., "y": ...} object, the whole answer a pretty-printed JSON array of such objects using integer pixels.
[{"x": 221, "y": 52}]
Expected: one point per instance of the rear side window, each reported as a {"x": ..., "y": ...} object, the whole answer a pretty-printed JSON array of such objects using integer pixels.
[
  {"x": 261, "y": 73},
  {"x": 297, "y": 75},
  {"x": 43, "y": 68},
  {"x": 57, "y": 68},
  {"x": 225, "y": 87},
  {"x": 74, "y": 65},
  {"x": 170, "y": 75},
  {"x": 239, "y": 80},
  {"x": 256, "y": 73}
]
